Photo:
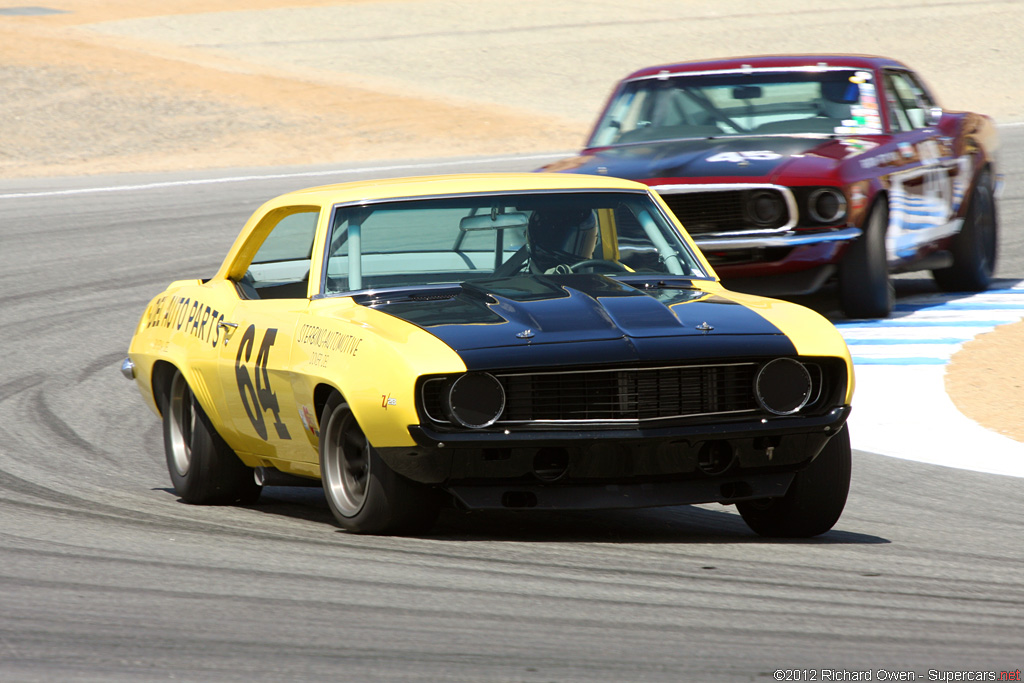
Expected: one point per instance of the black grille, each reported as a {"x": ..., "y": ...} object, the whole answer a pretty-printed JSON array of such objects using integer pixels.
[
  {"x": 719, "y": 211},
  {"x": 617, "y": 395}
]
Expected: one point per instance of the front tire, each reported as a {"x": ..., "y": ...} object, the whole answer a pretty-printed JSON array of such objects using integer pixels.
[
  {"x": 865, "y": 290},
  {"x": 974, "y": 247},
  {"x": 203, "y": 468},
  {"x": 814, "y": 501},
  {"x": 365, "y": 495}
]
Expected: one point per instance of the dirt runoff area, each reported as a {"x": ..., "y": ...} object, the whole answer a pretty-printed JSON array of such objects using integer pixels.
[{"x": 108, "y": 86}]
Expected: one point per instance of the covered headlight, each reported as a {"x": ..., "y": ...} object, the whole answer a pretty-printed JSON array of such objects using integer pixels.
[
  {"x": 827, "y": 205},
  {"x": 474, "y": 400},
  {"x": 783, "y": 386},
  {"x": 765, "y": 208}
]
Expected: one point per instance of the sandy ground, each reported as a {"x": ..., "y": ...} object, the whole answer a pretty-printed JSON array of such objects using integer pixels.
[
  {"x": 987, "y": 388},
  {"x": 111, "y": 86}
]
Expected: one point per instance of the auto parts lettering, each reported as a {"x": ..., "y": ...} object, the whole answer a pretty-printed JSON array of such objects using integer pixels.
[{"x": 198, "y": 319}]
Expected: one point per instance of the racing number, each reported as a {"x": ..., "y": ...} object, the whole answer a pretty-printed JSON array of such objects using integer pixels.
[
  {"x": 259, "y": 398},
  {"x": 740, "y": 157}
]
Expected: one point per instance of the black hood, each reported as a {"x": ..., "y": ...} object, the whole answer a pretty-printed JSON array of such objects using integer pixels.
[
  {"x": 753, "y": 157},
  {"x": 558, "y": 319}
]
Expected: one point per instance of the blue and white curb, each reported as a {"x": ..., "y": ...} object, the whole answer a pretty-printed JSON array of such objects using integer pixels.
[
  {"x": 929, "y": 329},
  {"x": 901, "y": 408}
]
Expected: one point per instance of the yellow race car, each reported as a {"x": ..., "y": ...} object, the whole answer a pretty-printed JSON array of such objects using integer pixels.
[{"x": 498, "y": 341}]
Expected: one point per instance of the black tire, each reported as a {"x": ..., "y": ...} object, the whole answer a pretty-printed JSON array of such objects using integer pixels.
[
  {"x": 815, "y": 499},
  {"x": 865, "y": 290},
  {"x": 203, "y": 468},
  {"x": 974, "y": 247},
  {"x": 365, "y": 495}
]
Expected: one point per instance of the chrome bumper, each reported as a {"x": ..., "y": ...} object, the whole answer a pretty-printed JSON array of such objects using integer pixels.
[
  {"x": 128, "y": 368},
  {"x": 788, "y": 239}
]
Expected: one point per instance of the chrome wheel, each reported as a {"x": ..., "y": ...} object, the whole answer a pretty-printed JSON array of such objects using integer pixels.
[
  {"x": 346, "y": 463},
  {"x": 182, "y": 425},
  {"x": 203, "y": 468},
  {"x": 365, "y": 495}
]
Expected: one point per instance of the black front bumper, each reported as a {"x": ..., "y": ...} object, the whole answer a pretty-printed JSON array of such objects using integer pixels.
[{"x": 595, "y": 469}]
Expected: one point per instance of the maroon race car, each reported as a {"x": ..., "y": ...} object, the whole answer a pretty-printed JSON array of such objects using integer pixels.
[{"x": 790, "y": 171}]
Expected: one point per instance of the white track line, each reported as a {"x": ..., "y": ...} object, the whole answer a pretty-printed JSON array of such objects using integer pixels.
[{"x": 419, "y": 166}]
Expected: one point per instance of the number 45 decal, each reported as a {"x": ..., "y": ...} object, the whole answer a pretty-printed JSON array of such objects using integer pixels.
[
  {"x": 737, "y": 157},
  {"x": 258, "y": 398}
]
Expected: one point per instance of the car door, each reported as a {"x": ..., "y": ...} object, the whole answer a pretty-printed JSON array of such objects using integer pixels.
[
  {"x": 921, "y": 186},
  {"x": 255, "y": 366}
]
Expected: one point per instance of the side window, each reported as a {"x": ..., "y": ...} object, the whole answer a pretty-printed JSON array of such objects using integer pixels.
[
  {"x": 907, "y": 100},
  {"x": 280, "y": 267}
]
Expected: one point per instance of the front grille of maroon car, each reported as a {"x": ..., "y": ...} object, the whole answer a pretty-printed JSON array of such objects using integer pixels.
[
  {"x": 614, "y": 398},
  {"x": 719, "y": 211}
]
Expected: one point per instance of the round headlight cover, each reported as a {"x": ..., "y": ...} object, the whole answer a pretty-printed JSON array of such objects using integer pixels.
[
  {"x": 475, "y": 400},
  {"x": 765, "y": 208},
  {"x": 827, "y": 205},
  {"x": 783, "y": 386}
]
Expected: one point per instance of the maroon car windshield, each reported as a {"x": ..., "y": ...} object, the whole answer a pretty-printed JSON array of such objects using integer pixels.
[{"x": 806, "y": 100}]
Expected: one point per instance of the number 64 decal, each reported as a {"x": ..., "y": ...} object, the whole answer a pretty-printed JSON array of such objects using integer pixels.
[{"x": 258, "y": 398}]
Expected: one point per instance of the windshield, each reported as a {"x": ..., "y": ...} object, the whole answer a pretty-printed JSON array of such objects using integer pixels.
[
  {"x": 829, "y": 102},
  {"x": 457, "y": 239}
]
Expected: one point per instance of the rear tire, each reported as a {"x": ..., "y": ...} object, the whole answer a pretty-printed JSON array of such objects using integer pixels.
[
  {"x": 203, "y": 468},
  {"x": 365, "y": 495},
  {"x": 865, "y": 290},
  {"x": 815, "y": 499},
  {"x": 974, "y": 247}
]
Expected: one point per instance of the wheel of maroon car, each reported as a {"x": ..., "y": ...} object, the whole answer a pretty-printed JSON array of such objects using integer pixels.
[
  {"x": 815, "y": 499},
  {"x": 974, "y": 247},
  {"x": 865, "y": 290},
  {"x": 365, "y": 495},
  {"x": 203, "y": 468}
]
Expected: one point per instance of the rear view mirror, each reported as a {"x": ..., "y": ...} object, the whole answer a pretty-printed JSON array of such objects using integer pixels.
[
  {"x": 746, "y": 92},
  {"x": 501, "y": 221}
]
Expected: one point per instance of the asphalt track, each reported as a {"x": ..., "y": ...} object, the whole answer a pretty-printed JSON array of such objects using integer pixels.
[{"x": 104, "y": 575}]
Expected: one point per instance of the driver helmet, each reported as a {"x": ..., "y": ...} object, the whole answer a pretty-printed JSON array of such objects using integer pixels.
[
  {"x": 560, "y": 236},
  {"x": 837, "y": 96}
]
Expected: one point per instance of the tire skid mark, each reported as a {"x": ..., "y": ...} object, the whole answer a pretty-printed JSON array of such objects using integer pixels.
[
  {"x": 555, "y": 615},
  {"x": 46, "y": 325},
  {"x": 14, "y": 387},
  {"x": 680, "y": 584},
  {"x": 103, "y": 287},
  {"x": 494, "y": 566},
  {"x": 102, "y": 364},
  {"x": 65, "y": 432},
  {"x": 347, "y": 584},
  {"x": 936, "y": 589},
  {"x": 64, "y": 501},
  {"x": 56, "y": 502}
]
